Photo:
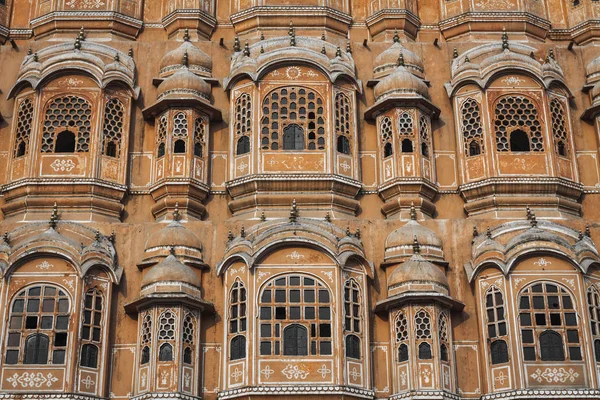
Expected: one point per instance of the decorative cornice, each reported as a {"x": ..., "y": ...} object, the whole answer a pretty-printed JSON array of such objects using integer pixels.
[
  {"x": 315, "y": 390},
  {"x": 544, "y": 394}
]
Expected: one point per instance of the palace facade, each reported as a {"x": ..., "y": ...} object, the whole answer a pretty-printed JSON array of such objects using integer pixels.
[{"x": 378, "y": 199}]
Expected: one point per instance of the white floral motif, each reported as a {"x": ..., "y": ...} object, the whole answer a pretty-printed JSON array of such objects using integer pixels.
[
  {"x": 69, "y": 283},
  {"x": 345, "y": 166},
  {"x": 425, "y": 374},
  {"x": 293, "y": 72},
  {"x": 163, "y": 377},
  {"x": 328, "y": 274},
  {"x": 178, "y": 166},
  {"x": 295, "y": 255},
  {"x": 187, "y": 377},
  {"x": 44, "y": 265},
  {"x": 553, "y": 375},
  {"x": 85, "y": 4},
  {"x": 262, "y": 274},
  {"x": 267, "y": 372},
  {"x": 518, "y": 281},
  {"x": 513, "y": 80},
  {"x": 32, "y": 380},
  {"x": 403, "y": 377},
  {"x": 143, "y": 379},
  {"x": 295, "y": 372},
  {"x": 324, "y": 371},
  {"x": 542, "y": 262},
  {"x": 236, "y": 374},
  {"x": 354, "y": 374},
  {"x": 571, "y": 282},
  {"x": 501, "y": 378},
  {"x": 242, "y": 167},
  {"x": 62, "y": 165},
  {"x": 88, "y": 382}
]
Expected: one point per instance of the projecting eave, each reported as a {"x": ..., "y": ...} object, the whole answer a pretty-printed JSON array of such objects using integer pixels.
[
  {"x": 168, "y": 298},
  {"x": 396, "y": 301},
  {"x": 401, "y": 101},
  {"x": 182, "y": 101}
]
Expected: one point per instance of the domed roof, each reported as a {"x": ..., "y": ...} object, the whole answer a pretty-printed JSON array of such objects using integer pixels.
[
  {"x": 171, "y": 270},
  {"x": 419, "y": 271},
  {"x": 173, "y": 235},
  {"x": 198, "y": 61},
  {"x": 387, "y": 61},
  {"x": 401, "y": 83},
  {"x": 411, "y": 231},
  {"x": 184, "y": 82}
]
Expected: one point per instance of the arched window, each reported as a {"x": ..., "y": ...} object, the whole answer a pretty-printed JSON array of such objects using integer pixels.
[
  {"x": 423, "y": 334},
  {"x": 298, "y": 107},
  {"x": 443, "y": 337},
  {"x": 401, "y": 328},
  {"x": 496, "y": 323},
  {"x": 472, "y": 130},
  {"x": 295, "y": 340},
  {"x": 65, "y": 142},
  {"x": 559, "y": 127},
  {"x": 405, "y": 132},
  {"x": 343, "y": 145},
  {"x": 161, "y": 136},
  {"x": 238, "y": 347},
  {"x": 188, "y": 336},
  {"x": 547, "y": 310},
  {"x": 385, "y": 128},
  {"x": 424, "y": 136},
  {"x": 24, "y": 126},
  {"x": 89, "y": 356},
  {"x": 146, "y": 337},
  {"x": 353, "y": 347},
  {"x": 39, "y": 324},
  {"x": 518, "y": 116},
  {"x": 343, "y": 122},
  {"x": 407, "y": 146},
  {"x": 113, "y": 128},
  {"x": 243, "y": 145},
  {"x": 300, "y": 301},
  {"x": 593, "y": 300},
  {"x": 499, "y": 352},
  {"x": 165, "y": 352},
  {"x": 199, "y": 136},
  {"x": 180, "y": 133},
  {"x": 293, "y": 137},
  {"x": 67, "y": 114}
]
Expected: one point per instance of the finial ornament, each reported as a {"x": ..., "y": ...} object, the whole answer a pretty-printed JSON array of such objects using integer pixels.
[
  {"x": 401, "y": 60},
  {"x": 488, "y": 233},
  {"x": 262, "y": 49},
  {"x": 323, "y": 36},
  {"x": 293, "y": 212},
  {"x": 236, "y": 44},
  {"x": 186, "y": 35},
  {"x": 533, "y": 220},
  {"x": 528, "y": 212},
  {"x": 172, "y": 250},
  {"x": 338, "y": 52},
  {"x": 247, "y": 49},
  {"x": 54, "y": 216},
  {"x": 262, "y": 36},
  {"x": 35, "y": 57},
  {"x": 357, "y": 234},
  {"x": 229, "y": 236},
  {"x": 455, "y": 53},
  {"x": 348, "y": 48},
  {"x": 130, "y": 52},
  {"x": 97, "y": 236},
  {"x": 81, "y": 35},
  {"x": 348, "y": 233},
  {"x": 327, "y": 217},
  {"x": 77, "y": 44},
  {"x": 551, "y": 54},
  {"x": 504, "y": 39},
  {"x": 467, "y": 59},
  {"x": 243, "y": 232},
  {"x": 6, "y": 238},
  {"x": 112, "y": 237},
  {"x": 396, "y": 37},
  {"x": 323, "y": 51},
  {"x": 185, "y": 61},
  {"x": 176, "y": 214},
  {"x": 117, "y": 58},
  {"x": 587, "y": 230},
  {"x": 263, "y": 218},
  {"x": 475, "y": 231},
  {"x": 416, "y": 246},
  {"x": 29, "y": 51},
  {"x": 413, "y": 211}
]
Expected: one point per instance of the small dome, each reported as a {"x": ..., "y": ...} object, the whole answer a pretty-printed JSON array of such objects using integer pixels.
[
  {"x": 171, "y": 270},
  {"x": 417, "y": 271},
  {"x": 593, "y": 67},
  {"x": 401, "y": 83},
  {"x": 173, "y": 235},
  {"x": 199, "y": 62},
  {"x": 184, "y": 82},
  {"x": 406, "y": 235},
  {"x": 386, "y": 62}
]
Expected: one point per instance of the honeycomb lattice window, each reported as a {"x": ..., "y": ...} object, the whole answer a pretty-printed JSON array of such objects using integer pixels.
[
  {"x": 199, "y": 136},
  {"x": 401, "y": 328},
  {"x": 559, "y": 128},
  {"x": 180, "y": 133},
  {"x": 517, "y": 125},
  {"x": 161, "y": 136},
  {"x": 472, "y": 130},
  {"x": 423, "y": 334},
  {"x": 386, "y": 137},
  {"x": 406, "y": 132},
  {"x": 113, "y": 128},
  {"x": 293, "y": 107},
  {"x": 343, "y": 122},
  {"x": 188, "y": 338},
  {"x": 67, "y": 114},
  {"x": 243, "y": 123},
  {"x": 424, "y": 136},
  {"x": 593, "y": 300},
  {"x": 166, "y": 327},
  {"x": 443, "y": 337},
  {"x": 146, "y": 338},
  {"x": 38, "y": 326},
  {"x": 24, "y": 125}
]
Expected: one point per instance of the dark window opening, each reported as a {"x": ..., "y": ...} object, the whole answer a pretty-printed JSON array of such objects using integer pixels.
[
  {"x": 89, "y": 356},
  {"x": 551, "y": 346},
  {"x": 293, "y": 138},
  {"x": 295, "y": 340},
  {"x": 36, "y": 349},
  {"x": 474, "y": 149},
  {"x": 198, "y": 150},
  {"x": 243, "y": 145},
  {"x": 161, "y": 150},
  {"x": 519, "y": 141},
  {"x": 187, "y": 355},
  {"x": 21, "y": 149},
  {"x": 353, "y": 347},
  {"x": 145, "y": 355},
  {"x": 111, "y": 149},
  {"x": 499, "y": 352},
  {"x": 179, "y": 146},
  {"x": 388, "y": 150},
  {"x": 424, "y": 150},
  {"x": 425, "y": 351},
  {"x": 65, "y": 142},
  {"x": 407, "y": 146},
  {"x": 444, "y": 352},
  {"x": 238, "y": 347},
  {"x": 561, "y": 148},
  {"x": 343, "y": 145},
  {"x": 403, "y": 352},
  {"x": 165, "y": 353},
  {"x": 597, "y": 349}
]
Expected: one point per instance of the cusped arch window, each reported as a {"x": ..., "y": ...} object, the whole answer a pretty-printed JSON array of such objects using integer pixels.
[
  {"x": 353, "y": 318},
  {"x": 401, "y": 329},
  {"x": 146, "y": 337},
  {"x": 497, "y": 332},
  {"x": 517, "y": 125},
  {"x": 243, "y": 123},
  {"x": 471, "y": 127},
  {"x": 38, "y": 326},
  {"x": 295, "y": 317},
  {"x": 91, "y": 327},
  {"x": 112, "y": 133},
  {"x": 67, "y": 125},
  {"x": 549, "y": 323},
  {"x": 237, "y": 320},
  {"x": 423, "y": 335},
  {"x": 593, "y": 300},
  {"x": 24, "y": 127}
]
